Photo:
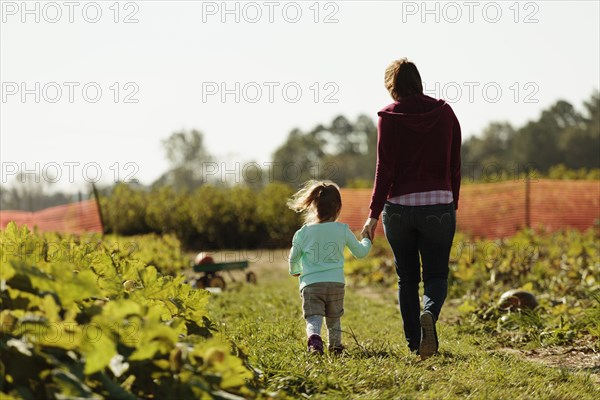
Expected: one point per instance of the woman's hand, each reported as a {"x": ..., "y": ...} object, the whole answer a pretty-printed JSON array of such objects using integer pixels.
[{"x": 368, "y": 230}]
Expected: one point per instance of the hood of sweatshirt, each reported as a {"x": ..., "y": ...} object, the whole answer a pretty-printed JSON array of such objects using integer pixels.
[{"x": 418, "y": 113}]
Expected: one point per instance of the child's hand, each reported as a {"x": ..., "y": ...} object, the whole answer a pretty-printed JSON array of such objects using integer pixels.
[{"x": 368, "y": 230}]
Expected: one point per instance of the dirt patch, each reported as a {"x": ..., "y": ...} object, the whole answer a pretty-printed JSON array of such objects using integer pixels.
[
  {"x": 581, "y": 358},
  {"x": 576, "y": 359}
]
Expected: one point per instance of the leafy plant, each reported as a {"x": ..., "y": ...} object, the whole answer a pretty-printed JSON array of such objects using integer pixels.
[
  {"x": 82, "y": 319},
  {"x": 561, "y": 269}
]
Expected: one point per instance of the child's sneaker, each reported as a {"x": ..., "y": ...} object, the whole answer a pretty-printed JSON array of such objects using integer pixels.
[
  {"x": 315, "y": 344},
  {"x": 429, "y": 340},
  {"x": 336, "y": 350}
]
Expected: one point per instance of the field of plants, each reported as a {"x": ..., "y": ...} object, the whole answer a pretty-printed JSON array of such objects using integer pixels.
[
  {"x": 562, "y": 269},
  {"x": 92, "y": 317},
  {"x": 486, "y": 352}
]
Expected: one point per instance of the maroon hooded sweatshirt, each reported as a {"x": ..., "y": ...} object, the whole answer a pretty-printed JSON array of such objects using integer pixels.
[{"x": 418, "y": 150}]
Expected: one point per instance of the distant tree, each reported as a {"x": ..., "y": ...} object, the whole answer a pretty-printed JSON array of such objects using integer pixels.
[
  {"x": 560, "y": 136},
  {"x": 4, "y": 198},
  {"x": 355, "y": 150},
  {"x": 186, "y": 153},
  {"x": 344, "y": 139},
  {"x": 342, "y": 152},
  {"x": 31, "y": 192},
  {"x": 300, "y": 157},
  {"x": 540, "y": 143},
  {"x": 489, "y": 152},
  {"x": 581, "y": 144}
]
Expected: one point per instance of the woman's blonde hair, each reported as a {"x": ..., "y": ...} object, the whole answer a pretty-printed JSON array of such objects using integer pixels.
[
  {"x": 402, "y": 79},
  {"x": 319, "y": 201}
]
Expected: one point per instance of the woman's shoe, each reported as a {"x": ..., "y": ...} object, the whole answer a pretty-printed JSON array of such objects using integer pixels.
[{"x": 429, "y": 340}]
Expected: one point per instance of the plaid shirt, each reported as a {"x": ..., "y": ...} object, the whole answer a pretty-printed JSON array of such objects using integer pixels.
[{"x": 423, "y": 198}]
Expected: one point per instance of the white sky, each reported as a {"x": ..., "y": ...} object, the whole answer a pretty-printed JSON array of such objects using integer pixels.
[{"x": 177, "y": 47}]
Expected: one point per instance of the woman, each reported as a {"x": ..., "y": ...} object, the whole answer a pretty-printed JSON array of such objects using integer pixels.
[{"x": 417, "y": 183}]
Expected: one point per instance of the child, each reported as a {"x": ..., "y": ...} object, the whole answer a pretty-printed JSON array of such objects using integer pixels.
[{"x": 317, "y": 257}]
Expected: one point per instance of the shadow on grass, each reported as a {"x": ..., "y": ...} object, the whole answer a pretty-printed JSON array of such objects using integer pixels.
[
  {"x": 448, "y": 357},
  {"x": 364, "y": 352},
  {"x": 367, "y": 350},
  {"x": 298, "y": 385}
]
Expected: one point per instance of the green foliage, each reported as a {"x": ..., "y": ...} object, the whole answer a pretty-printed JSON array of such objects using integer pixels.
[
  {"x": 561, "y": 135},
  {"x": 562, "y": 269},
  {"x": 225, "y": 217},
  {"x": 124, "y": 211},
  {"x": 167, "y": 211},
  {"x": 278, "y": 220},
  {"x": 560, "y": 171},
  {"x": 376, "y": 269},
  {"x": 211, "y": 216},
  {"x": 345, "y": 152},
  {"x": 187, "y": 155},
  {"x": 266, "y": 321},
  {"x": 300, "y": 157},
  {"x": 83, "y": 318},
  {"x": 360, "y": 184},
  {"x": 341, "y": 152},
  {"x": 163, "y": 252}
]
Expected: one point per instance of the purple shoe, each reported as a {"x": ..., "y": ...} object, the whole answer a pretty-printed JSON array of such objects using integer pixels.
[{"x": 315, "y": 344}]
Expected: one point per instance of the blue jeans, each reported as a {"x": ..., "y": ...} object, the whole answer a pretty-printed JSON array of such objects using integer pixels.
[{"x": 420, "y": 234}]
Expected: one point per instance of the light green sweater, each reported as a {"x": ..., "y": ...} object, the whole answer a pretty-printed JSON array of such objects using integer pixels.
[{"x": 318, "y": 252}]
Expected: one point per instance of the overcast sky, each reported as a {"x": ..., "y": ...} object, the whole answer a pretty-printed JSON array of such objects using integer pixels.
[{"x": 93, "y": 87}]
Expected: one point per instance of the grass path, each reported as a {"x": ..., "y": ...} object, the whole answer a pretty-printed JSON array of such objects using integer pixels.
[{"x": 266, "y": 322}]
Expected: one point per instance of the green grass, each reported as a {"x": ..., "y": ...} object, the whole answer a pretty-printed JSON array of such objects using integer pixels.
[{"x": 266, "y": 322}]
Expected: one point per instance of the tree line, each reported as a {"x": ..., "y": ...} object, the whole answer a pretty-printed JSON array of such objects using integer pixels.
[
  {"x": 563, "y": 142},
  {"x": 206, "y": 210}
]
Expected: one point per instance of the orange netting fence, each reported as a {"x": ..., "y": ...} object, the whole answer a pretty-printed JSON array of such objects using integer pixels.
[
  {"x": 489, "y": 210},
  {"x": 77, "y": 217},
  {"x": 500, "y": 209}
]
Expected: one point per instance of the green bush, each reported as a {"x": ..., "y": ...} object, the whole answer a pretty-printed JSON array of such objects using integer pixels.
[
  {"x": 211, "y": 217},
  {"x": 167, "y": 212},
  {"x": 83, "y": 319},
  {"x": 560, "y": 171},
  {"x": 124, "y": 210},
  {"x": 279, "y": 222},
  {"x": 225, "y": 217}
]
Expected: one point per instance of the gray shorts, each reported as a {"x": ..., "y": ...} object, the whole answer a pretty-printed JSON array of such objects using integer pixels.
[{"x": 323, "y": 298}]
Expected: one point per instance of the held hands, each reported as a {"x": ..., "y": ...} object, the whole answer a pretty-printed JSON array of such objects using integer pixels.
[{"x": 368, "y": 230}]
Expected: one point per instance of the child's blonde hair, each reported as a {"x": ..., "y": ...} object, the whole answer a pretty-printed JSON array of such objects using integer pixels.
[{"x": 319, "y": 201}]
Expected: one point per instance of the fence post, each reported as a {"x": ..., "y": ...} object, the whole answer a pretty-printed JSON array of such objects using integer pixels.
[
  {"x": 527, "y": 201},
  {"x": 97, "y": 197}
]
